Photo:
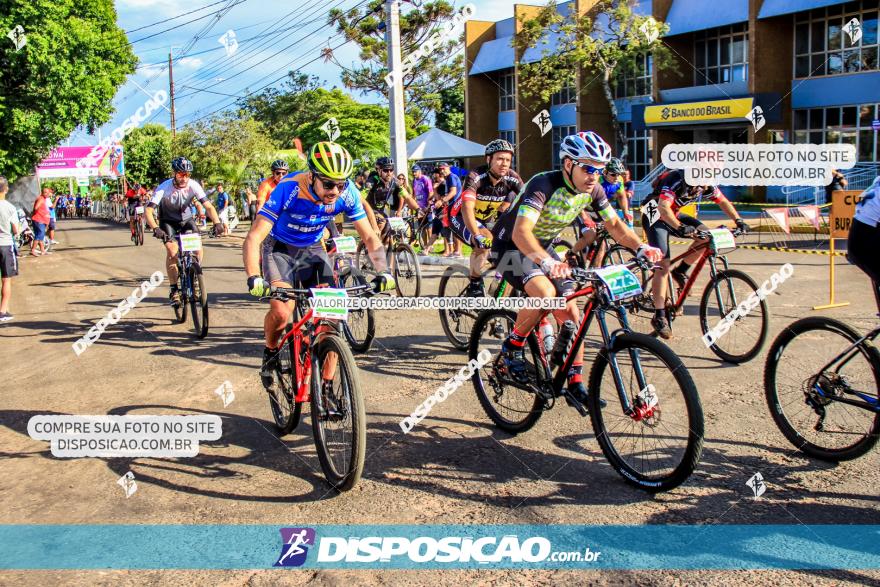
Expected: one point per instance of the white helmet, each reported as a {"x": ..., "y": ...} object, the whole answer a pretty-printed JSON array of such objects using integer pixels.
[{"x": 585, "y": 145}]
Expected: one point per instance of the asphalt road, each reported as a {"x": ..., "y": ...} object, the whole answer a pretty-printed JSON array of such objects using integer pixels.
[{"x": 452, "y": 468}]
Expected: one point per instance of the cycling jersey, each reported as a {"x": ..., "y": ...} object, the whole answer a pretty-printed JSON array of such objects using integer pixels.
[
  {"x": 265, "y": 189},
  {"x": 868, "y": 208},
  {"x": 674, "y": 190},
  {"x": 489, "y": 198},
  {"x": 548, "y": 201},
  {"x": 174, "y": 203},
  {"x": 299, "y": 217},
  {"x": 612, "y": 190},
  {"x": 381, "y": 195}
]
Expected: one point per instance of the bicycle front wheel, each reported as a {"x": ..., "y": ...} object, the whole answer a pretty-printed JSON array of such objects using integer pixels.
[
  {"x": 139, "y": 227},
  {"x": 360, "y": 326},
  {"x": 748, "y": 332},
  {"x": 198, "y": 301},
  {"x": 807, "y": 373},
  {"x": 180, "y": 309},
  {"x": 651, "y": 430},
  {"x": 457, "y": 324},
  {"x": 407, "y": 272},
  {"x": 339, "y": 419},
  {"x": 285, "y": 411}
]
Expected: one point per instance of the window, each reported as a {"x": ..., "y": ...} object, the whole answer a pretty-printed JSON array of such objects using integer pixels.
[
  {"x": 506, "y": 91},
  {"x": 566, "y": 95},
  {"x": 510, "y": 137},
  {"x": 722, "y": 55},
  {"x": 822, "y": 45},
  {"x": 639, "y": 151},
  {"x": 559, "y": 133},
  {"x": 847, "y": 124},
  {"x": 635, "y": 80}
]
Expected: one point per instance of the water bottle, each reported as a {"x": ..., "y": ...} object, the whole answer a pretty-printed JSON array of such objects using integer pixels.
[
  {"x": 548, "y": 335},
  {"x": 566, "y": 334}
]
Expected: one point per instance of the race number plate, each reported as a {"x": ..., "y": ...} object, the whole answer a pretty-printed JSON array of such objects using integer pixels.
[
  {"x": 190, "y": 242},
  {"x": 138, "y": 209},
  {"x": 723, "y": 238},
  {"x": 345, "y": 244},
  {"x": 620, "y": 281},
  {"x": 397, "y": 223},
  {"x": 328, "y": 302}
]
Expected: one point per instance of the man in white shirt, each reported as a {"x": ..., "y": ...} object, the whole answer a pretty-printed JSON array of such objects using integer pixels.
[{"x": 8, "y": 260}]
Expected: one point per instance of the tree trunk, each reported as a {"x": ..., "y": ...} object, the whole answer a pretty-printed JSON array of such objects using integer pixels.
[{"x": 618, "y": 128}]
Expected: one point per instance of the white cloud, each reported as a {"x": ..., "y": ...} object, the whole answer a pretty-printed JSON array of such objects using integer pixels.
[
  {"x": 190, "y": 62},
  {"x": 163, "y": 7}
]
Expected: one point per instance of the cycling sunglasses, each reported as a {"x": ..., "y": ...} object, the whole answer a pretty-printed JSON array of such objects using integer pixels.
[
  {"x": 589, "y": 168},
  {"x": 329, "y": 184}
]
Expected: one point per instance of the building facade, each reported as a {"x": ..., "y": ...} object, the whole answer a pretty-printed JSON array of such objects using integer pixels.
[{"x": 814, "y": 75}]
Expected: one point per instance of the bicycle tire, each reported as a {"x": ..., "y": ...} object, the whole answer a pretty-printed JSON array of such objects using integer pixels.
[
  {"x": 199, "y": 302},
  {"x": 284, "y": 393},
  {"x": 414, "y": 270},
  {"x": 180, "y": 309},
  {"x": 730, "y": 357},
  {"x": 777, "y": 411},
  {"x": 423, "y": 238},
  {"x": 359, "y": 344},
  {"x": 450, "y": 320},
  {"x": 140, "y": 233},
  {"x": 340, "y": 480},
  {"x": 633, "y": 341},
  {"x": 534, "y": 412}
]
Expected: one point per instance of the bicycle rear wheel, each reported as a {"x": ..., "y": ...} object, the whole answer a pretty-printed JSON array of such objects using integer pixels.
[
  {"x": 801, "y": 388},
  {"x": 339, "y": 420},
  {"x": 139, "y": 236},
  {"x": 657, "y": 444},
  {"x": 407, "y": 272},
  {"x": 510, "y": 406},
  {"x": 457, "y": 324},
  {"x": 285, "y": 411},
  {"x": 198, "y": 302},
  {"x": 747, "y": 334}
]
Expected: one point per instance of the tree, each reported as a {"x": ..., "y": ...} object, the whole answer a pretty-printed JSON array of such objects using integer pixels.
[
  {"x": 602, "y": 47},
  {"x": 65, "y": 76},
  {"x": 284, "y": 111},
  {"x": 441, "y": 68},
  {"x": 450, "y": 116},
  {"x": 148, "y": 154}
]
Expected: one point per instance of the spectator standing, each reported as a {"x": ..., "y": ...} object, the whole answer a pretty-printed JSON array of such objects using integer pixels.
[
  {"x": 838, "y": 183},
  {"x": 9, "y": 227},
  {"x": 440, "y": 226},
  {"x": 453, "y": 191},
  {"x": 50, "y": 206},
  {"x": 40, "y": 218},
  {"x": 251, "y": 204},
  {"x": 422, "y": 188},
  {"x": 223, "y": 203}
]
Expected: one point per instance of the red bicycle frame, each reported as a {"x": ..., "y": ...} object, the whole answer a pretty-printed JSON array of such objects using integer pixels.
[
  {"x": 692, "y": 278},
  {"x": 303, "y": 372}
]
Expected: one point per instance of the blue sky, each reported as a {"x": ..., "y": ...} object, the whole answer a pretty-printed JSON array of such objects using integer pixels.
[{"x": 207, "y": 79}]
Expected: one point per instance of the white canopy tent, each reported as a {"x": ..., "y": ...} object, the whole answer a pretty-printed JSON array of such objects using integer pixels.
[{"x": 437, "y": 145}]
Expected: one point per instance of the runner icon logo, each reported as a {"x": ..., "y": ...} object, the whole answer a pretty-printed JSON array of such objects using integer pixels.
[{"x": 294, "y": 549}]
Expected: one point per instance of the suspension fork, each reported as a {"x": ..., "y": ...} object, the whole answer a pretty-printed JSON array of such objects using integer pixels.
[
  {"x": 713, "y": 272},
  {"x": 634, "y": 355}
]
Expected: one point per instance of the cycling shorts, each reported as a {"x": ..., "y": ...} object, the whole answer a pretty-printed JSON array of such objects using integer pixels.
[
  {"x": 518, "y": 270},
  {"x": 862, "y": 249},
  {"x": 132, "y": 204},
  {"x": 297, "y": 266},
  {"x": 172, "y": 229},
  {"x": 658, "y": 233},
  {"x": 458, "y": 228}
]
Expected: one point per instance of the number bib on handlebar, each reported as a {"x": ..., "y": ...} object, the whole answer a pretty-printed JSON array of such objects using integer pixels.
[
  {"x": 345, "y": 244},
  {"x": 396, "y": 223},
  {"x": 190, "y": 242},
  {"x": 328, "y": 302},
  {"x": 138, "y": 209},
  {"x": 620, "y": 281},
  {"x": 723, "y": 239}
]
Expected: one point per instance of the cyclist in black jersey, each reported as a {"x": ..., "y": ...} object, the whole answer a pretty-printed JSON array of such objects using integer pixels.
[{"x": 487, "y": 192}]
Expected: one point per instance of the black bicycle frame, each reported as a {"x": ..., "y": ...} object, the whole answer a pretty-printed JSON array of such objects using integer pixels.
[{"x": 845, "y": 357}]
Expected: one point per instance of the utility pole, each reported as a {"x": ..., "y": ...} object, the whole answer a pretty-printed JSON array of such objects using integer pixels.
[
  {"x": 171, "y": 87},
  {"x": 395, "y": 91}
]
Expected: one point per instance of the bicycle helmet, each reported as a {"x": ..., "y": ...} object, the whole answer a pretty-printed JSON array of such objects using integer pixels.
[
  {"x": 615, "y": 165},
  {"x": 385, "y": 163},
  {"x": 330, "y": 160},
  {"x": 280, "y": 164},
  {"x": 585, "y": 145},
  {"x": 498, "y": 146},
  {"x": 181, "y": 165}
]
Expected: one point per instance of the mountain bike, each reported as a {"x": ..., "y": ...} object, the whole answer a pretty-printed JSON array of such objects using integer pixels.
[
  {"x": 401, "y": 258},
  {"x": 821, "y": 382},
  {"x": 727, "y": 288},
  {"x": 458, "y": 324},
  {"x": 138, "y": 237},
  {"x": 360, "y": 327},
  {"x": 191, "y": 284},
  {"x": 651, "y": 427},
  {"x": 309, "y": 347}
]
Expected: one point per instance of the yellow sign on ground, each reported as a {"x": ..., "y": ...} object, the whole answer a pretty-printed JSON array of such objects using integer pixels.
[
  {"x": 698, "y": 111},
  {"x": 843, "y": 208}
]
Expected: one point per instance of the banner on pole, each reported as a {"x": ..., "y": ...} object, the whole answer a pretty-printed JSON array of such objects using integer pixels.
[
  {"x": 62, "y": 162},
  {"x": 780, "y": 216}
]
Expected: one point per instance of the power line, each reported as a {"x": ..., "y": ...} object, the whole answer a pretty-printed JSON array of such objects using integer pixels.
[{"x": 173, "y": 17}]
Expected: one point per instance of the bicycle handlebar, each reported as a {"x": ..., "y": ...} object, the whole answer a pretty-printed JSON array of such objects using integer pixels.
[{"x": 286, "y": 294}]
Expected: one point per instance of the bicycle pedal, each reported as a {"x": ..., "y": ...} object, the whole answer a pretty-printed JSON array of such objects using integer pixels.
[{"x": 576, "y": 404}]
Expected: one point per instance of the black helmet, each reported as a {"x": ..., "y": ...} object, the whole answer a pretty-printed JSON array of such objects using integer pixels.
[
  {"x": 181, "y": 165},
  {"x": 280, "y": 164},
  {"x": 498, "y": 146},
  {"x": 385, "y": 163},
  {"x": 615, "y": 165}
]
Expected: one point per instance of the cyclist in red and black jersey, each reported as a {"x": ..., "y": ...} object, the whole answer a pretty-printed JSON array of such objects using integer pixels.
[
  {"x": 488, "y": 191},
  {"x": 671, "y": 194}
]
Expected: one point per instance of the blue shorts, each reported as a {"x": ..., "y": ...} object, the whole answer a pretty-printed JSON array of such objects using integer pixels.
[{"x": 39, "y": 231}]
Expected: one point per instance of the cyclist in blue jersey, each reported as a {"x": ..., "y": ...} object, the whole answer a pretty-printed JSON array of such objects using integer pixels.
[
  {"x": 288, "y": 231},
  {"x": 615, "y": 191}
]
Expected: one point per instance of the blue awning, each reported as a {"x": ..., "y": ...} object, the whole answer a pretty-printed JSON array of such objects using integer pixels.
[
  {"x": 777, "y": 7},
  {"x": 687, "y": 16},
  {"x": 494, "y": 55}
]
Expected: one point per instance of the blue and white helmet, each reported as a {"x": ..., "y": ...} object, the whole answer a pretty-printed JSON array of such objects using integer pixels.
[{"x": 585, "y": 145}]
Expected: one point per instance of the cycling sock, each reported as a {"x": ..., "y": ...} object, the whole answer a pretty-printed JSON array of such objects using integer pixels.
[
  {"x": 660, "y": 313},
  {"x": 516, "y": 340},
  {"x": 477, "y": 280},
  {"x": 575, "y": 373},
  {"x": 682, "y": 268}
]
